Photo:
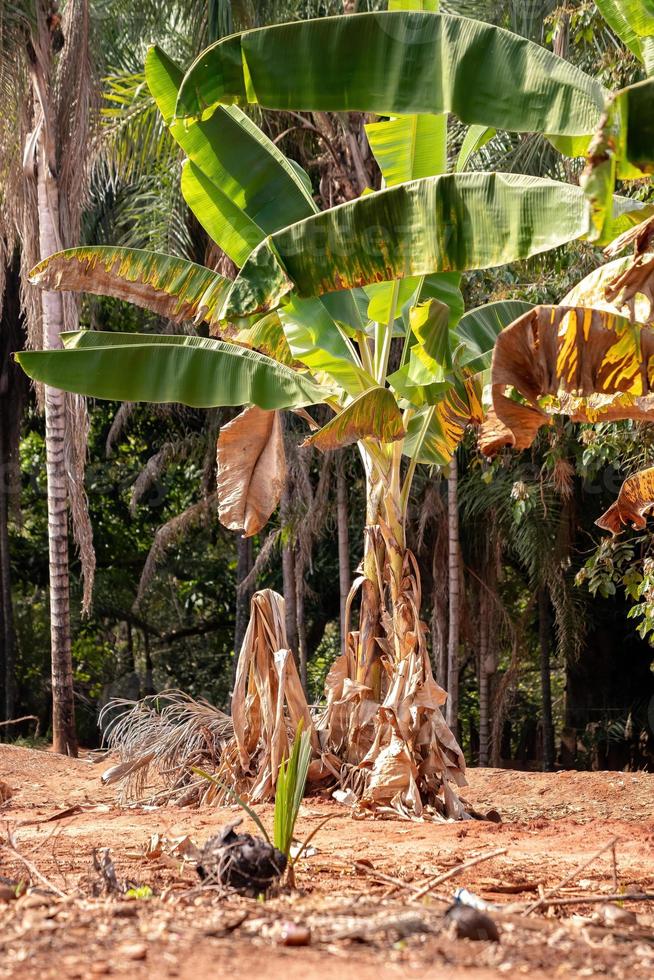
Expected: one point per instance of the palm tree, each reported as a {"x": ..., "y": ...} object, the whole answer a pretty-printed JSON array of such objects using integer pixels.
[{"x": 46, "y": 79}]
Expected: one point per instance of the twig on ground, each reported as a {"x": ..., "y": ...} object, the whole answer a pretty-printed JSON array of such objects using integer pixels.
[
  {"x": 10, "y": 845},
  {"x": 429, "y": 885},
  {"x": 595, "y": 899},
  {"x": 566, "y": 881},
  {"x": 395, "y": 882}
]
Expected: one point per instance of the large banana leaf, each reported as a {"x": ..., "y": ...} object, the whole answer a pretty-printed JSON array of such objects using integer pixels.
[
  {"x": 633, "y": 22},
  {"x": 222, "y": 220},
  {"x": 452, "y": 222},
  {"x": 196, "y": 371},
  {"x": 396, "y": 63},
  {"x": 436, "y": 430},
  {"x": 233, "y": 153},
  {"x": 173, "y": 287}
]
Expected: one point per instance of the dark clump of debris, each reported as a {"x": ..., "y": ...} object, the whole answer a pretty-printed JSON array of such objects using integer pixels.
[
  {"x": 470, "y": 923},
  {"x": 249, "y": 865}
]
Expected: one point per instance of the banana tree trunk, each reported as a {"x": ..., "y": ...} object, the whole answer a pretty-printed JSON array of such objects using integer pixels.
[
  {"x": 384, "y": 708},
  {"x": 64, "y": 735}
]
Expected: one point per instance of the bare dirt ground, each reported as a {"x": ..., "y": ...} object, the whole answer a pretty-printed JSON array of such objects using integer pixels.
[{"x": 359, "y": 926}]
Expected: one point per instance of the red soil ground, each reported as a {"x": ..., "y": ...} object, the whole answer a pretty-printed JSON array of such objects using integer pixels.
[{"x": 552, "y": 823}]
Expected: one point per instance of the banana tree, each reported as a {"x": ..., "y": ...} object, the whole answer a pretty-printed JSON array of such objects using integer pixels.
[{"x": 324, "y": 303}]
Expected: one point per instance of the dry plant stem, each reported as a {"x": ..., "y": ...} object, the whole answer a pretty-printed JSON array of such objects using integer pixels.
[
  {"x": 573, "y": 874},
  {"x": 595, "y": 899},
  {"x": 10, "y": 845},
  {"x": 455, "y": 871}
]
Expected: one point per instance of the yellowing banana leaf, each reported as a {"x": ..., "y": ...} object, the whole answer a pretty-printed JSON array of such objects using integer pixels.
[
  {"x": 635, "y": 499},
  {"x": 234, "y": 154},
  {"x": 316, "y": 340},
  {"x": 633, "y": 22},
  {"x": 398, "y": 62},
  {"x": 266, "y": 334},
  {"x": 173, "y": 287},
  {"x": 624, "y": 286},
  {"x": 478, "y": 330},
  {"x": 375, "y": 413},
  {"x": 590, "y": 364},
  {"x": 435, "y": 431},
  {"x": 196, "y": 371},
  {"x": 451, "y": 222},
  {"x": 251, "y": 469},
  {"x": 409, "y": 147},
  {"x": 429, "y": 325}
]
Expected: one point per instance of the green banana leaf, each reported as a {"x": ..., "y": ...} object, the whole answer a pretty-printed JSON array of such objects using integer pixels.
[
  {"x": 233, "y": 153},
  {"x": 478, "y": 330},
  {"x": 196, "y": 371},
  {"x": 374, "y": 414},
  {"x": 396, "y": 63},
  {"x": 623, "y": 148},
  {"x": 173, "y": 287},
  {"x": 451, "y": 222},
  {"x": 315, "y": 339},
  {"x": 474, "y": 139},
  {"x": 409, "y": 147},
  {"x": 633, "y": 22},
  {"x": 222, "y": 220}
]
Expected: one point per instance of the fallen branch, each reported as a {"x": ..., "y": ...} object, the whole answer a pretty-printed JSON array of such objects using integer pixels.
[
  {"x": 10, "y": 845},
  {"x": 539, "y": 903},
  {"x": 429, "y": 885},
  {"x": 16, "y": 721}
]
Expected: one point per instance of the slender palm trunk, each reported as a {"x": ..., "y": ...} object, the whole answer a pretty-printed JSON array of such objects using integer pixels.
[
  {"x": 344, "y": 579},
  {"x": 64, "y": 735},
  {"x": 8, "y": 636},
  {"x": 545, "y": 679},
  {"x": 288, "y": 574},
  {"x": 454, "y": 563},
  {"x": 484, "y": 685},
  {"x": 301, "y": 622}
]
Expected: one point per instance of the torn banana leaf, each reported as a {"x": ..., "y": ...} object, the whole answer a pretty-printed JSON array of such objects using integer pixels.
[
  {"x": 589, "y": 364},
  {"x": 635, "y": 500}
]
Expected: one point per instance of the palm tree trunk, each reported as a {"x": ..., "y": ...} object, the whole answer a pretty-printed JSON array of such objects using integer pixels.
[
  {"x": 454, "y": 562},
  {"x": 64, "y": 736},
  {"x": 344, "y": 579},
  {"x": 301, "y": 622},
  {"x": 8, "y": 637},
  {"x": 545, "y": 679},
  {"x": 484, "y": 685}
]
